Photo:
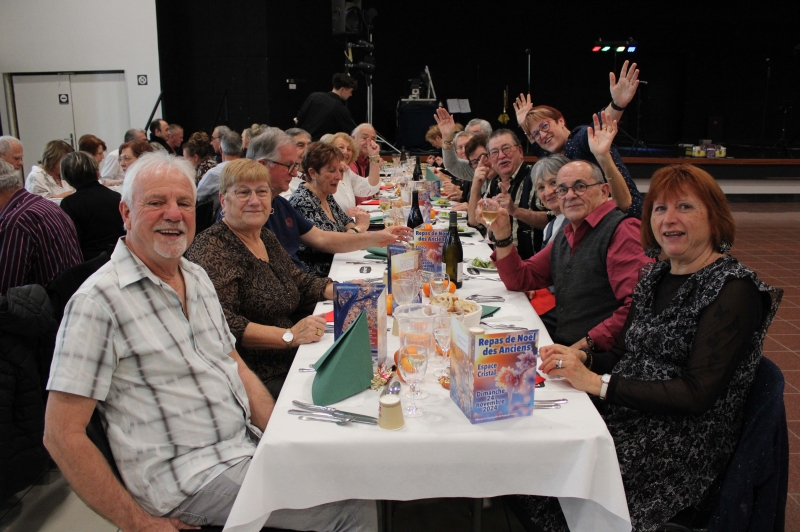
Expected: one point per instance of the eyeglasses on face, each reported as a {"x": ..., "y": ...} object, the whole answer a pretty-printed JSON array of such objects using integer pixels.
[
  {"x": 244, "y": 194},
  {"x": 544, "y": 127},
  {"x": 476, "y": 162},
  {"x": 507, "y": 150},
  {"x": 579, "y": 188},
  {"x": 289, "y": 166}
]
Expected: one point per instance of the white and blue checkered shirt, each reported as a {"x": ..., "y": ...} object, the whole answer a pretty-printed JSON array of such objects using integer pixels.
[{"x": 175, "y": 410}]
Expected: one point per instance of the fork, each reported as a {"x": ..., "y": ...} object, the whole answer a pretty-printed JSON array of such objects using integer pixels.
[{"x": 503, "y": 326}]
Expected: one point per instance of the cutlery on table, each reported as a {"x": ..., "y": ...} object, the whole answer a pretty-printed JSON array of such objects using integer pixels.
[
  {"x": 551, "y": 401},
  {"x": 485, "y": 299},
  {"x": 482, "y": 277},
  {"x": 548, "y": 406},
  {"x": 361, "y": 418},
  {"x": 474, "y": 271},
  {"x": 503, "y": 326},
  {"x": 341, "y": 422}
]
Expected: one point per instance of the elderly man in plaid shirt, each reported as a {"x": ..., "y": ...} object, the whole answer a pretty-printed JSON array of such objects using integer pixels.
[{"x": 145, "y": 341}]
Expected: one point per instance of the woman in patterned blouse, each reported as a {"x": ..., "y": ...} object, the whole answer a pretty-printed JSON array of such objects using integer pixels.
[
  {"x": 314, "y": 200},
  {"x": 258, "y": 284},
  {"x": 673, "y": 391}
]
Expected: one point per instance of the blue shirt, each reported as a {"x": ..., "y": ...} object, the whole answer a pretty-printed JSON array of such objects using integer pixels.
[
  {"x": 288, "y": 225},
  {"x": 577, "y": 149}
]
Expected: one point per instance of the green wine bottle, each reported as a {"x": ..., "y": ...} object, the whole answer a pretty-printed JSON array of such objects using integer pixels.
[{"x": 453, "y": 252}]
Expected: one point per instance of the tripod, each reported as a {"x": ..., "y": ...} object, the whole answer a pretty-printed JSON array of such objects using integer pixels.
[
  {"x": 638, "y": 143},
  {"x": 782, "y": 146}
]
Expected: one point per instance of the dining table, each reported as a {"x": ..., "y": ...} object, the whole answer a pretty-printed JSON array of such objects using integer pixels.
[{"x": 566, "y": 453}]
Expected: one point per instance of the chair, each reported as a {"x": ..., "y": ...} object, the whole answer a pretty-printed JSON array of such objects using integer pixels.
[{"x": 754, "y": 488}]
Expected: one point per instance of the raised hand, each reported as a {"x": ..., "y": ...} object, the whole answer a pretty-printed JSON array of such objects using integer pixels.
[
  {"x": 623, "y": 91},
  {"x": 501, "y": 227},
  {"x": 446, "y": 124},
  {"x": 601, "y": 138},
  {"x": 373, "y": 148},
  {"x": 522, "y": 106},
  {"x": 505, "y": 200},
  {"x": 361, "y": 216}
]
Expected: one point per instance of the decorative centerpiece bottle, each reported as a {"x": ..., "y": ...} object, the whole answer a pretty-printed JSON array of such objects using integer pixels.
[
  {"x": 453, "y": 252},
  {"x": 415, "y": 216}
]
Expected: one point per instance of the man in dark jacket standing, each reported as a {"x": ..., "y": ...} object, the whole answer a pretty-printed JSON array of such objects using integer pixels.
[{"x": 327, "y": 112}]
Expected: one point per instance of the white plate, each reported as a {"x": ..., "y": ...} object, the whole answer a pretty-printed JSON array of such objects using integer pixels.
[
  {"x": 446, "y": 215},
  {"x": 470, "y": 265}
]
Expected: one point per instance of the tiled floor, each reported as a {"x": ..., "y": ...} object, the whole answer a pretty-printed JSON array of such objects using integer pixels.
[{"x": 768, "y": 240}]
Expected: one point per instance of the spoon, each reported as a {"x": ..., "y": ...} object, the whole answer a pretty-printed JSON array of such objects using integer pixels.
[
  {"x": 394, "y": 388},
  {"x": 343, "y": 422}
]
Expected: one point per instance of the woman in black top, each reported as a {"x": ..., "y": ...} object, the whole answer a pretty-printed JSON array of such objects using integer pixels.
[
  {"x": 674, "y": 392},
  {"x": 94, "y": 208}
]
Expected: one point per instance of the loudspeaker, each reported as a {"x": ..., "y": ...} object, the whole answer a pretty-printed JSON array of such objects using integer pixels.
[
  {"x": 413, "y": 121},
  {"x": 346, "y": 17}
]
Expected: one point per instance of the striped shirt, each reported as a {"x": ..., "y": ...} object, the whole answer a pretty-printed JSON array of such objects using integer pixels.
[
  {"x": 37, "y": 241},
  {"x": 174, "y": 408}
]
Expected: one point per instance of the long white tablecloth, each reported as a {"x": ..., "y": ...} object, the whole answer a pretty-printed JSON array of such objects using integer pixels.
[{"x": 566, "y": 453}]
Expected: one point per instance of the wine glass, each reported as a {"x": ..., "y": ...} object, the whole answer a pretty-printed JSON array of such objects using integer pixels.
[
  {"x": 385, "y": 205},
  {"x": 442, "y": 332},
  {"x": 489, "y": 211},
  {"x": 404, "y": 290},
  {"x": 440, "y": 283},
  {"x": 412, "y": 363}
]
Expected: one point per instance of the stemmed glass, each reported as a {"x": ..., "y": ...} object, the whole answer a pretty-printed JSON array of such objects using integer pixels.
[
  {"x": 442, "y": 333},
  {"x": 405, "y": 290},
  {"x": 440, "y": 283},
  {"x": 489, "y": 211},
  {"x": 412, "y": 362}
]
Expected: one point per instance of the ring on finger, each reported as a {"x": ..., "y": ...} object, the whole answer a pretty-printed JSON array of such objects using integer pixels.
[
  {"x": 559, "y": 363},
  {"x": 319, "y": 331}
]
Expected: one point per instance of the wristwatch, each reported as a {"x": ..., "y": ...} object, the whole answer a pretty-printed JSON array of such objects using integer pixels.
[
  {"x": 288, "y": 337},
  {"x": 605, "y": 379},
  {"x": 591, "y": 343}
]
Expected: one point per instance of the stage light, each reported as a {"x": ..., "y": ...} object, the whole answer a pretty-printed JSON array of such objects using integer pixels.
[
  {"x": 629, "y": 45},
  {"x": 620, "y": 48},
  {"x": 596, "y": 49},
  {"x": 606, "y": 48},
  {"x": 631, "y": 48}
]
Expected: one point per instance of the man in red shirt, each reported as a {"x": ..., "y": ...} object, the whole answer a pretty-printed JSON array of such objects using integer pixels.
[
  {"x": 594, "y": 263},
  {"x": 366, "y": 138}
]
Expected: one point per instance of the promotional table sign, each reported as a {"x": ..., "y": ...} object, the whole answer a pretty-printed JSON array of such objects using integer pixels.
[
  {"x": 402, "y": 261},
  {"x": 349, "y": 301},
  {"x": 431, "y": 242},
  {"x": 492, "y": 376}
]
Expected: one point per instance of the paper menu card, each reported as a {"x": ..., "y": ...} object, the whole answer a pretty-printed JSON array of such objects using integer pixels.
[
  {"x": 431, "y": 243},
  {"x": 350, "y": 301},
  {"x": 492, "y": 376}
]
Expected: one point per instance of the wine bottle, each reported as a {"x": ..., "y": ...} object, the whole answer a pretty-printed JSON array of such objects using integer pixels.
[
  {"x": 415, "y": 216},
  {"x": 417, "y": 172},
  {"x": 403, "y": 155},
  {"x": 453, "y": 252}
]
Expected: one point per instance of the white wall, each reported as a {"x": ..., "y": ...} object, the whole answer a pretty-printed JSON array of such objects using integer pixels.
[{"x": 81, "y": 35}]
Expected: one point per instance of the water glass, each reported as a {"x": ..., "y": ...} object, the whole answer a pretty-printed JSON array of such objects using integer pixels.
[{"x": 412, "y": 364}]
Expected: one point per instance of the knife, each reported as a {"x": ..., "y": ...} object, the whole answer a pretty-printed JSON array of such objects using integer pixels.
[
  {"x": 339, "y": 413},
  {"x": 324, "y": 415}
]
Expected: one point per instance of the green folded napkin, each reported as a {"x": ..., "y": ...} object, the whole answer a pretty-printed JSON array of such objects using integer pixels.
[
  {"x": 378, "y": 251},
  {"x": 374, "y": 257},
  {"x": 346, "y": 367},
  {"x": 376, "y": 218},
  {"x": 488, "y": 311},
  {"x": 429, "y": 175}
]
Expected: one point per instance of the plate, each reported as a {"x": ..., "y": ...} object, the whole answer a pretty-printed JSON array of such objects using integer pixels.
[
  {"x": 446, "y": 215},
  {"x": 470, "y": 265}
]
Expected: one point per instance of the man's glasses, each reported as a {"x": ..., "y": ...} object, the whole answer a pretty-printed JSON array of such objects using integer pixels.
[
  {"x": 476, "y": 162},
  {"x": 544, "y": 127},
  {"x": 507, "y": 150},
  {"x": 289, "y": 166},
  {"x": 244, "y": 194},
  {"x": 579, "y": 188}
]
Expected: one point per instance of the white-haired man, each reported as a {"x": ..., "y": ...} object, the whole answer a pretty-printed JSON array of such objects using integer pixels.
[{"x": 145, "y": 341}]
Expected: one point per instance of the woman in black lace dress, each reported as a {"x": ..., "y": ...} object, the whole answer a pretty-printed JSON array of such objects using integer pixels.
[
  {"x": 258, "y": 284},
  {"x": 675, "y": 391},
  {"x": 314, "y": 200}
]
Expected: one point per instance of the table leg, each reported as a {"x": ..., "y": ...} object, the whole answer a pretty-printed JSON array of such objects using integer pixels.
[
  {"x": 477, "y": 508},
  {"x": 385, "y": 515}
]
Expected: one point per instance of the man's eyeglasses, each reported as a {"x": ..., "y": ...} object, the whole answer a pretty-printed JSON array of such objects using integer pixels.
[
  {"x": 579, "y": 188},
  {"x": 544, "y": 127},
  {"x": 245, "y": 194},
  {"x": 507, "y": 150},
  {"x": 289, "y": 166},
  {"x": 476, "y": 162}
]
